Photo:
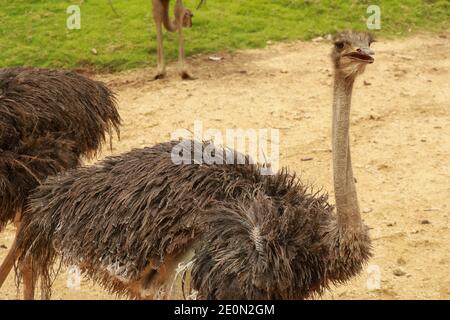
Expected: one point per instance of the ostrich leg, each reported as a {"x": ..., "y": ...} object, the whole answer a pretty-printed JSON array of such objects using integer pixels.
[
  {"x": 28, "y": 279},
  {"x": 8, "y": 262},
  {"x": 26, "y": 269}
]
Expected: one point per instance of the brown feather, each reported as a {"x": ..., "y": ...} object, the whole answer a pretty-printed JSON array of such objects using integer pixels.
[
  {"x": 258, "y": 237},
  {"x": 48, "y": 120}
]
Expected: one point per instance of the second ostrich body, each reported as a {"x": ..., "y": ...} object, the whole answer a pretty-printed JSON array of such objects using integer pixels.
[
  {"x": 48, "y": 120},
  {"x": 130, "y": 221}
]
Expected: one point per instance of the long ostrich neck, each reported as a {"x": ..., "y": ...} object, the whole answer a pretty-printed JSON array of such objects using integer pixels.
[{"x": 344, "y": 185}]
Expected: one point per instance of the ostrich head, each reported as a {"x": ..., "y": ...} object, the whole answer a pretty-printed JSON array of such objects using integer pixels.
[
  {"x": 351, "y": 52},
  {"x": 350, "y": 55}
]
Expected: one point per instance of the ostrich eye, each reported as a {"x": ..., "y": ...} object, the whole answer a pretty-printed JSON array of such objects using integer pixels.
[{"x": 339, "y": 45}]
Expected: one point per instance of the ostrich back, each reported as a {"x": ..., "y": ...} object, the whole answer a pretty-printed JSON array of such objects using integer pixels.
[
  {"x": 255, "y": 236},
  {"x": 48, "y": 120}
]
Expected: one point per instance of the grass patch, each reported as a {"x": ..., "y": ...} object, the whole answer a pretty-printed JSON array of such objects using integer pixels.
[{"x": 34, "y": 32}]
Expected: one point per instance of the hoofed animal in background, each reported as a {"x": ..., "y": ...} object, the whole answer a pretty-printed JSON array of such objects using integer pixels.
[
  {"x": 48, "y": 121},
  {"x": 131, "y": 220},
  {"x": 183, "y": 19}
]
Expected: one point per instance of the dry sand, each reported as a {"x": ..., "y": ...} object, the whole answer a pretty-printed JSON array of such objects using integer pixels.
[{"x": 400, "y": 137}]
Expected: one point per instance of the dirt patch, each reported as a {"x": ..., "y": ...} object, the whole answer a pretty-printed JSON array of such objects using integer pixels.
[{"x": 400, "y": 137}]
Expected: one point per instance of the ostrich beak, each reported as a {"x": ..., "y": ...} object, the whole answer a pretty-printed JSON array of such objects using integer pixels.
[{"x": 362, "y": 54}]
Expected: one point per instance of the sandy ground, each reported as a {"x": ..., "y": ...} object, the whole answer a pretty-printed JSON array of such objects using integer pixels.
[{"x": 400, "y": 138}]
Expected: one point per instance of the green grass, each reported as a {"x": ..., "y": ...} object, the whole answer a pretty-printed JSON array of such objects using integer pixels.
[{"x": 34, "y": 33}]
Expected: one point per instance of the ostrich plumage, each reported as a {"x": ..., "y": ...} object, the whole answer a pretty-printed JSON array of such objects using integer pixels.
[
  {"x": 132, "y": 210},
  {"x": 48, "y": 121}
]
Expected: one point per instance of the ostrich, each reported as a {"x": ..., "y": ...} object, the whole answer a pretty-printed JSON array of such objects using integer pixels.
[
  {"x": 135, "y": 222},
  {"x": 48, "y": 121},
  {"x": 183, "y": 19}
]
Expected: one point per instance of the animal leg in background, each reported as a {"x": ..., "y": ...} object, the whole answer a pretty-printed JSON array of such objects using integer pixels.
[
  {"x": 183, "y": 18},
  {"x": 158, "y": 15}
]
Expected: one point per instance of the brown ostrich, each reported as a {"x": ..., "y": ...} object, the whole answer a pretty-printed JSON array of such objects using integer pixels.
[
  {"x": 134, "y": 222},
  {"x": 183, "y": 19},
  {"x": 48, "y": 121}
]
